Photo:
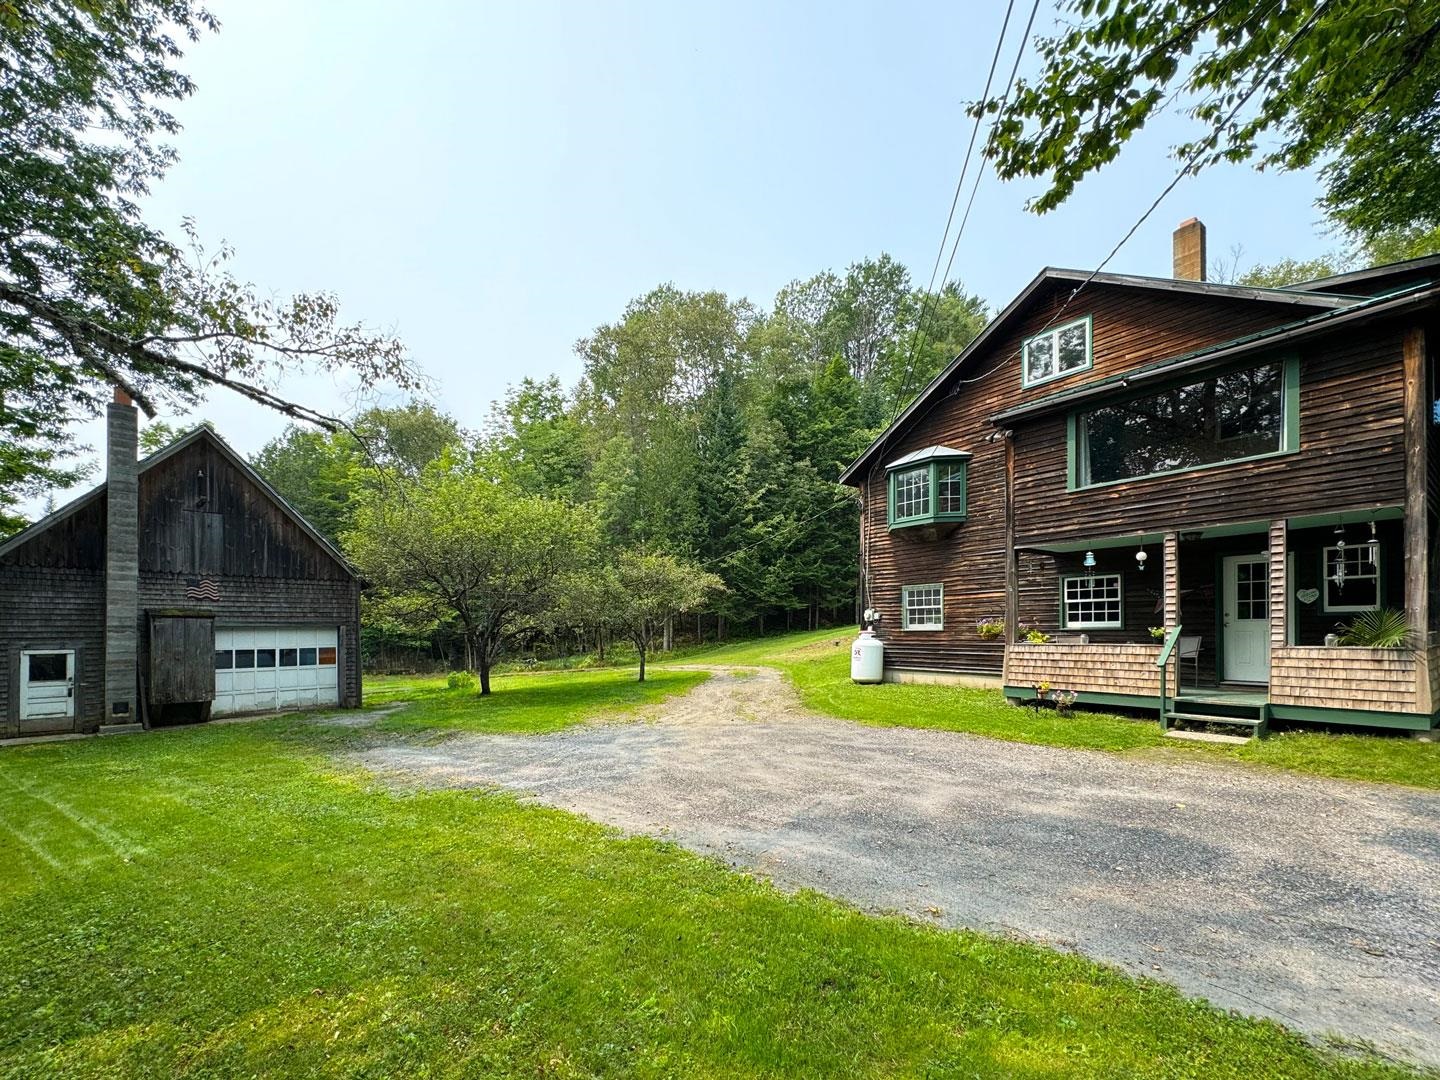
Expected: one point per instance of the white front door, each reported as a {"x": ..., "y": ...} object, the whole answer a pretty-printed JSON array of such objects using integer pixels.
[
  {"x": 47, "y": 687},
  {"x": 1245, "y": 618}
]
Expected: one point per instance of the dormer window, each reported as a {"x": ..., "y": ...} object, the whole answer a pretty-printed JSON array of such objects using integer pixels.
[
  {"x": 927, "y": 487},
  {"x": 1056, "y": 352}
]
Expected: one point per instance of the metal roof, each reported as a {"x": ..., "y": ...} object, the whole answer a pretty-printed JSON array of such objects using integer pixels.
[{"x": 930, "y": 453}]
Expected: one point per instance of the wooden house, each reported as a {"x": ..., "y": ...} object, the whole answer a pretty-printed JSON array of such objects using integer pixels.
[
  {"x": 1121, "y": 468},
  {"x": 182, "y": 585}
]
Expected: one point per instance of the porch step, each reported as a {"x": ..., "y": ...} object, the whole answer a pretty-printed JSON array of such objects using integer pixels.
[
  {"x": 1207, "y": 736},
  {"x": 1213, "y": 718}
]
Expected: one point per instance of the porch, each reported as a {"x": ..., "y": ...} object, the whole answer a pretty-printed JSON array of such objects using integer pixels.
[{"x": 1245, "y": 615}]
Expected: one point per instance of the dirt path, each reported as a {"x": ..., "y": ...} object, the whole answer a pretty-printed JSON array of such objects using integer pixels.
[{"x": 1311, "y": 901}]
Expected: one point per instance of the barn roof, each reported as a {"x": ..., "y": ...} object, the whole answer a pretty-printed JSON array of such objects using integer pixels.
[{"x": 198, "y": 434}]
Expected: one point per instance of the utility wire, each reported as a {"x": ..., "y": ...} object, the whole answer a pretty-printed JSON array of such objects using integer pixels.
[{"x": 925, "y": 305}]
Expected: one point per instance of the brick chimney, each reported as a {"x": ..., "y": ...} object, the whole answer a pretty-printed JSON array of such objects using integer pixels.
[
  {"x": 1189, "y": 250},
  {"x": 122, "y": 562}
]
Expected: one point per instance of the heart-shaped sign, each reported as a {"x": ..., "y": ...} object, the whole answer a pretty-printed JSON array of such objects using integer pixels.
[{"x": 1307, "y": 596}]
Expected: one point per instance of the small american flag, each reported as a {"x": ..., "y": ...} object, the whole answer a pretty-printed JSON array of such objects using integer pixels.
[{"x": 202, "y": 589}]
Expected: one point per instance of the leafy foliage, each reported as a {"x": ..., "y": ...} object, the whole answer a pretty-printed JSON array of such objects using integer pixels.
[
  {"x": 1384, "y": 628},
  {"x": 455, "y": 543},
  {"x": 91, "y": 295},
  {"x": 1353, "y": 87}
]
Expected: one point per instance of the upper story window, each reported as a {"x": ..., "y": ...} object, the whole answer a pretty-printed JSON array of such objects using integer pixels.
[
  {"x": 1059, "y": 351},
  {"x": 1230, "y": 417},
  {"x": 927, "y": 487}
]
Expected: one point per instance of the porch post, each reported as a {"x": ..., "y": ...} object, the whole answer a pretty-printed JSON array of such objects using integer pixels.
[
  {"x": 1417, "y": 517},
  {"x": 1171, "y": 585},
  {"x": 1279, "y": 598},
  {"x": 1012, "y": 569}
]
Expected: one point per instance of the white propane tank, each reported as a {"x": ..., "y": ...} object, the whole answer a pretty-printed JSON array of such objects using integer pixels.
[{"x": 867, "y": 658}]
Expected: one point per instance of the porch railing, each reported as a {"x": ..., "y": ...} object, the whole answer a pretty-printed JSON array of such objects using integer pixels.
[{"x": 1163, "y": 663}]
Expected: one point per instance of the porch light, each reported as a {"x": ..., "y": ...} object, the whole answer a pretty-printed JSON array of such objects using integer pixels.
[
  {"x": 1089, "y": 569},
  {"x": 1140, "y": 558}
]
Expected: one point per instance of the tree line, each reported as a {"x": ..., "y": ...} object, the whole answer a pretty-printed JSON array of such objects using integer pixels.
[{"x": 697, "y": 456}]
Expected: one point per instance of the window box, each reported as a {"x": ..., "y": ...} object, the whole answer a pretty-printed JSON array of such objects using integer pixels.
[{"x": 928, "y": 487}]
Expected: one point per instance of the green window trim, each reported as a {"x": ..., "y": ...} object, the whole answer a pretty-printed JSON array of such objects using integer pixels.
[
  {"x": 1066, "y": 623},
  {"x": 1289, "y": 431},
  {"x": 1053, "y": 334},
  {"x": 935, "y": 469}
]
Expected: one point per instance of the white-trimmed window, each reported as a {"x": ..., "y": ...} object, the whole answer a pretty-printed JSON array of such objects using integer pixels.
[
  {"x": 1059, "y": 351},
  {"x": 1093, "y": 601},
  {"x": 1352, "y": 581},
  {"x": 912, "y": 493},
  {"x": 922, "y": 607}
]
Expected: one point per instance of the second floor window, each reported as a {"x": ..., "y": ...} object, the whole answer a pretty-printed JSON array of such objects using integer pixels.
[
  {"x": 1228, "y": 417},
  {"x": 1057, "y": 351},
  {"x": 927, "y": 487}
]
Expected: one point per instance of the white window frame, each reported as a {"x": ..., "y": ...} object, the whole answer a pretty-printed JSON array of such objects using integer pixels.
[
  {"x": 1053, "y": 334},
  {"x": 1068, "y": 623},
  {"x": 905, "y": 592},
  {"x": 1325, "y": 581}
]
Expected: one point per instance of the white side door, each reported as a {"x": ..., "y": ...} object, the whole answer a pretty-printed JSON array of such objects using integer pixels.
[
  {"x": 1245, "y": 618},
  {"x": 47, "y": 685}
]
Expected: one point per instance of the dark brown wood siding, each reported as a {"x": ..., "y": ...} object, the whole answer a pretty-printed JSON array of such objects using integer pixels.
[
  {"x": 199, "y": 515},
  {"x": 1130, "y": 327},
  {"x": 1351, "y": 455}
]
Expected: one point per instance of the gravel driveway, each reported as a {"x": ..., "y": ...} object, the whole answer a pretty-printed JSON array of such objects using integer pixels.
[{"x": 1315, "y": 902}]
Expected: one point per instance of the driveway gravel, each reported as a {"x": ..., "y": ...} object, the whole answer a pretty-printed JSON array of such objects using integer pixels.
[{"x": 1314, "y": 902}]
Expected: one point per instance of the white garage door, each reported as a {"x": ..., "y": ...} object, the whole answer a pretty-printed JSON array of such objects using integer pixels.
[{"x": 263, "y": 668}]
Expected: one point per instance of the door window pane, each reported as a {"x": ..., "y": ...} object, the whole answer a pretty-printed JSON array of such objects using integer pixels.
[
  {"x": 289, "y": 657},
  {"x": 244, "y": 658},
  {"x": 307, "y": 657},
  {"x": 48, "y": 667},
  {"x": 224, "y": 659},
  {"x": 264, "y": 658}
]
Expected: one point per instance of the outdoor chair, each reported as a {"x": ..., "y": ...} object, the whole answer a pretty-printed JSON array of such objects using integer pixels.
[{"x": 1190, "y": 650}]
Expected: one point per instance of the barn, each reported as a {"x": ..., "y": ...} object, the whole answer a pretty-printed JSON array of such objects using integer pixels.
[{"x": 182, "y": 586}]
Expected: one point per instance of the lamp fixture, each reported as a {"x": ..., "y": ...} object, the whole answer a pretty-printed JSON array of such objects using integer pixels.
[{"x": 1141, "y": 557}]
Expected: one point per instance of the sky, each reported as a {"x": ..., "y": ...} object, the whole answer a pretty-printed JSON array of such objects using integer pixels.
[{"x": 492, "y": 180}]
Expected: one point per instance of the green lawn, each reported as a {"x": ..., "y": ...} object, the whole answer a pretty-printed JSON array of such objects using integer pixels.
[
  {"x": 226, "y": 900},
  {"x": 818, "y": 663},
  {"x": 531, "y": 703}
]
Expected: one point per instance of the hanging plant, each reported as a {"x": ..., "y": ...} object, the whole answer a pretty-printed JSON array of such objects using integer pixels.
[
  {"x": 1386, "y": 628},
  {"x": 990, "y": 629}
]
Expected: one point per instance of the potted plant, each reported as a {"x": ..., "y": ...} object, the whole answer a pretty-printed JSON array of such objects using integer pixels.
[
  {"x": 1384, "y": 628},
  {"x": 1159, "y": 632},
  {"x": 1036, "y": 637},
  {"x": 1063, "y": 700},
  {"x": 990, "y": 629}
]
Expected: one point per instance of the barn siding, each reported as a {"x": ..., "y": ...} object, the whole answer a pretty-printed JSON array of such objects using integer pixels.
[
  {"x": 1351, "y": 454},
  {"x": 199, "y": 516},
  {"x": 63, "y": 609}
]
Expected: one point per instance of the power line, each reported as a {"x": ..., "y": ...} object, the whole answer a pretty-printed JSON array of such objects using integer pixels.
[{"x": 954, "y": 202}]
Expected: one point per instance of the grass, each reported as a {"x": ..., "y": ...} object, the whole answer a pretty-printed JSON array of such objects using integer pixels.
[
  {"x": 227, "y": 900},
  {"x": 818, "y": 664},
  {"x": 531, "y": 703}
]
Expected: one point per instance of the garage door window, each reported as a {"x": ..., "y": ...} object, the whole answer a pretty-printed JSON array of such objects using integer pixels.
[
  {"x": 224, "y": 659},
  {"x": 244, "y": 658},
  {"x": 307, "y": 657},
  {"x": 264, "y": 658},
  {"x": 327, "y": 657},
  {"x": 289, "y": 657}
]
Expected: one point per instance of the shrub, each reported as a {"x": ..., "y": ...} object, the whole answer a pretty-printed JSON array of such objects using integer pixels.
[{"x": 462, "y": 680}]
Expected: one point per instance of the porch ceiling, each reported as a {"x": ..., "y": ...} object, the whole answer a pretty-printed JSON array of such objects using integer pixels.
[{"x": 1214, "y": 532}]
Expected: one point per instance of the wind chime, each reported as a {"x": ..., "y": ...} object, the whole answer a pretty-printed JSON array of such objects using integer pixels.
[{"x": 1338, "y": 577}]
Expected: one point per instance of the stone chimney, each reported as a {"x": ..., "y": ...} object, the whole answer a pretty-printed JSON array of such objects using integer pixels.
[
  {"x": 122, "y": 562},
  {"x": 1189, "y": 250}
]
